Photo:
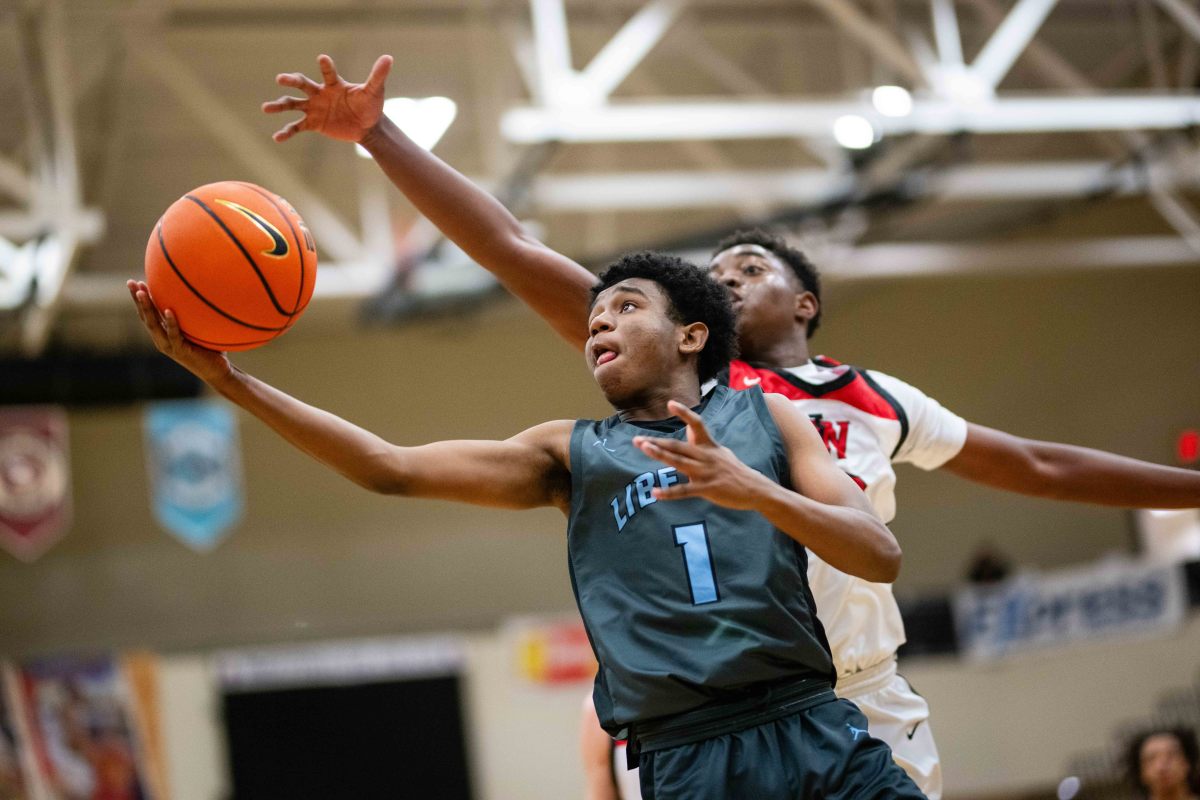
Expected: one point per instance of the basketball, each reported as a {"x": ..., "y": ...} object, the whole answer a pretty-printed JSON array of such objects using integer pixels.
[{"x": 234, "y": 262}]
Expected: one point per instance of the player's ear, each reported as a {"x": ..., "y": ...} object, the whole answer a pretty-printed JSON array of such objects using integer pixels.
[
  {"x": 692, "y": 338},
  {"x": 807, "y": 306}
]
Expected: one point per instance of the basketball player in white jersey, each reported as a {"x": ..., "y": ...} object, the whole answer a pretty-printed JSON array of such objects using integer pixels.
[{"x": 869, "y": 420}]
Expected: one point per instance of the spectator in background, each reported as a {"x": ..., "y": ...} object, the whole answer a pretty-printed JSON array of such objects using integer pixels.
[{"x": 1163, "y": 764}]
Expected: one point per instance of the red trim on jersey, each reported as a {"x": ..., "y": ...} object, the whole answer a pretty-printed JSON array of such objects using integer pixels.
[{"x": 857, "y": 393}]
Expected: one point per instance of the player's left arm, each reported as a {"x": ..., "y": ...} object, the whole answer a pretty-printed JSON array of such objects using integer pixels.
[
  {"x": 826, "y": 513},
  {"x": 1067, "y": 472}
]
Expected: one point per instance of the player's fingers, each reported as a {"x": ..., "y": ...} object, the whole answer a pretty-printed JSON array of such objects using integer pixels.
[
  {"x": 676, "y": 492},
  {"x": 171, "y": 323},
  {"x": 284, "y": 103},
  {"x": 668, "y": 457},
  {"x": 137, "y": 304},
  {"x": 697, "y": 431},
  {"x": 328, "y": 69},
  {"x": 151, "y": 320},
  {"x": 379, "y": 73},
  {"x": 298, "y": 80},
  {"x": 288, "y": 131},
  {"x": 671, "y": 445}
]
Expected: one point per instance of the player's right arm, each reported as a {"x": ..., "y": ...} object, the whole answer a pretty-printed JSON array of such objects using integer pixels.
[
  {"x": 531, "y": 469},
  {"x": 554, "y": 286}
]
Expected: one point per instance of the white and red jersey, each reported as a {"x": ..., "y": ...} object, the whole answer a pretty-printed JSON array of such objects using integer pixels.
[{"x": 869, "y": 421}]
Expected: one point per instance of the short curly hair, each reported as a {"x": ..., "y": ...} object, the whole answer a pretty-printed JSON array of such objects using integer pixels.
[
  {"x": 1187, "y": 743},
  {"x": 804, "y": 269},
  {"x": 694, "y": 296}
]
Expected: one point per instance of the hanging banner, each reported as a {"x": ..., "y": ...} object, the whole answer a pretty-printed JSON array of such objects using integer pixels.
[
  {"x": 35, "y": 479},
  {"x": 1036, "y": 611},
  {"x": 195, "y": 469},
  {"x": 81, "y": 730}
]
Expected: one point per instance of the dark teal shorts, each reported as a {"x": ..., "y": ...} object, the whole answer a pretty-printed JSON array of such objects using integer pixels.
[{"x": 821, "y": 752}]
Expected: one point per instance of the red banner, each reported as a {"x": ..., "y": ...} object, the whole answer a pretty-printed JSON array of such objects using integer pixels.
[{"x": 35, "y": 479}]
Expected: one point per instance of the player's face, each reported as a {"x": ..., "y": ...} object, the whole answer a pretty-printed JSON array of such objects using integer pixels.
[
  {"x": 633, "y": 344},
  {"x": 766, "y": 295},
  {"x": 1164, "y": 766}
]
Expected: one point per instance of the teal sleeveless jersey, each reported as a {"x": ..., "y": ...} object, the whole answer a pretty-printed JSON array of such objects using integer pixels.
[{"x": 685, "y": 601}]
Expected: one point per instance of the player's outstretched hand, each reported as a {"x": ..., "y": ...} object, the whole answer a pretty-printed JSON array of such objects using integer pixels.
[
  {"x": 207, "y": 365},
  {"x": 336, "y": 108},
  {"x": 713, "y": 471}
]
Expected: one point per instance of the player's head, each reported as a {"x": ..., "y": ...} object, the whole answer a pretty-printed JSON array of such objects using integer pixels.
[
  {"x": 776, "y": 289},
  {"x": 1164, "y": 761},
  {"x": 653, "y": 314}
]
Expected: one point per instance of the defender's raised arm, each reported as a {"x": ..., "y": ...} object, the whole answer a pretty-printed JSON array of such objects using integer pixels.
[{"x": 551, "y": 284}]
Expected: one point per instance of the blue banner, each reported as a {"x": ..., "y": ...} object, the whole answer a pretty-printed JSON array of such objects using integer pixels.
[
  {"x": 195, "y": 469},
  {"x": 1035, "y": 611}
]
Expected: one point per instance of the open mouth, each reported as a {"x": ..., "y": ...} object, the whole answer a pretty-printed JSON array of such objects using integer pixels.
[{"x": 603, "y": 356}]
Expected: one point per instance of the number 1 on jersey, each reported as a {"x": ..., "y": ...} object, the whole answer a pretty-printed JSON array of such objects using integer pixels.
[{"x": 697, "y": 560}]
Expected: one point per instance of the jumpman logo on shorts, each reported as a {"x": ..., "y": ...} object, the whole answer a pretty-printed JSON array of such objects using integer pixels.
[{"x": 855, "y": 731}]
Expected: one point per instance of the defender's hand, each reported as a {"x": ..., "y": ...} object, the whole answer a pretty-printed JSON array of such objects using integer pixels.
[
  {"x": 713, "y": 471},
  {"x": 207, "y": 365},
  {"x": 340, "y": 110}
]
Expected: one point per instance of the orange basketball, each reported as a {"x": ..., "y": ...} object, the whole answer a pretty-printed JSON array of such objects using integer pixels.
[{"x": 234, "y": 262}]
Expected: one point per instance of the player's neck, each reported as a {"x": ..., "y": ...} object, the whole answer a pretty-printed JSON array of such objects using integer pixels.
[
  {"x": 652, "y": 405},
  {"x": 790, "y": 351}
]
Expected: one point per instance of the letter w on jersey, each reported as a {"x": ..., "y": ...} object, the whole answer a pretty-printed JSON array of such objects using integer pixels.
[{"x": 833, "y": 434}]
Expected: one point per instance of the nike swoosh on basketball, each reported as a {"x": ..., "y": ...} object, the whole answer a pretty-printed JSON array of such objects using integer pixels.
[{"x": 279, "y": 247}]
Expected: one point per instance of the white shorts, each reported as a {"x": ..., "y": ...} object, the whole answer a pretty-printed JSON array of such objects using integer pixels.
[{"x": 900, "y": 717}]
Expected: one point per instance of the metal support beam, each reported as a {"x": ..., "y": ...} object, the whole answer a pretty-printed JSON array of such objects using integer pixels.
[
  {"x": 56, "y": 258},
  {"x": 1162, "y": 189},
  {"x": 911, "y": 259},
  {"x": 552, "y": 45},
  {"x": 945, "y": 33},
  {"x": 883, "y": 261},
  {"x": 1009, "y": 40},
  {"x": 1184, "y": 14},
  {"x": 669, "y": 121},
  {"x": 626, "y": 49},
  {"x": 1042, "y": 180},
  {"x": 877, "y": 39}
]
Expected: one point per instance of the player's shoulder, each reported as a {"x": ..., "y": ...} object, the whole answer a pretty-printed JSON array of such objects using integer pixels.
[
  {"x": 885, "y": 381},
  {"x": 554, "y": 437}
]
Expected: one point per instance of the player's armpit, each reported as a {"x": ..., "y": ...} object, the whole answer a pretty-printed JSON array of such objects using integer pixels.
[{"x": 529, "y": 470}]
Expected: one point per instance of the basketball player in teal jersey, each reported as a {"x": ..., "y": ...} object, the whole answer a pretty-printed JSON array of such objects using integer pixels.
[
  {"x": 689, "y": 522},
  {"x": 868, "y": 419}
]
